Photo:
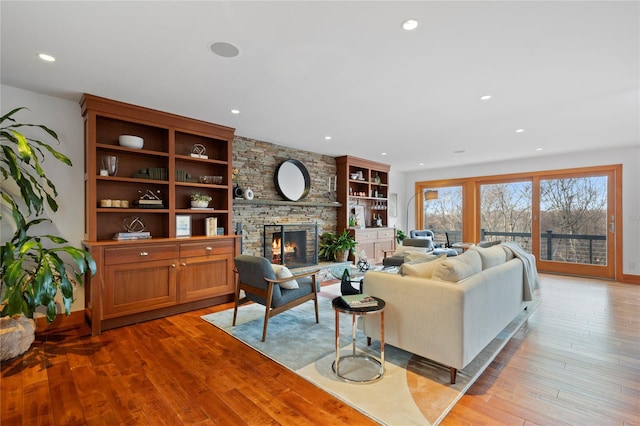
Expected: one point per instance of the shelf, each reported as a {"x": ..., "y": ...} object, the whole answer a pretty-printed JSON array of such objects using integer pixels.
[{"x": 287, "y": 203}]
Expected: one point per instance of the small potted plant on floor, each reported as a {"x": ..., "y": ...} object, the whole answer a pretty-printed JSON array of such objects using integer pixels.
[{"x": 200, "y": 200}]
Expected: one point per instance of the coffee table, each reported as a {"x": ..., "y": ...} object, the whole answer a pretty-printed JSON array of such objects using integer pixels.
[{"x": 361, "y": 362}]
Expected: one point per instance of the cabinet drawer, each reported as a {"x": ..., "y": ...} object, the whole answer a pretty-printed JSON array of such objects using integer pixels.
[
  {"x": 206, "y": 248},
  {"x": 386, "y": 233},
  {"x": 142, "y": 253},
  {"x": 366, "y": 234}
]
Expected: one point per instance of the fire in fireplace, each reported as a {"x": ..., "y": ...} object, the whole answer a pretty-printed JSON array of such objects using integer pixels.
[{"x": 294, "y": 245}]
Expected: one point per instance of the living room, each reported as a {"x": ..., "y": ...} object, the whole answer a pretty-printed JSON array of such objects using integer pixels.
[{"x": 615, "y": 133}]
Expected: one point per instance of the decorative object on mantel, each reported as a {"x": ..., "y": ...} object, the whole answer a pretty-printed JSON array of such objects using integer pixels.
[
  {"x": 199, "y": 151},
  {"x": 248, "y": 194},
  {"x": 134, "y": 227},
  {"x": 237, "y": 190},
  {"x": 292, "y": 180}
]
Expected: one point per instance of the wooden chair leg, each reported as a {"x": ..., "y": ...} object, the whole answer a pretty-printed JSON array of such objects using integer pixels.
[
  {"x": 453, "y": 372},
  {"x": 315, "y": 298},
  {"x": 267, "y": 311}
]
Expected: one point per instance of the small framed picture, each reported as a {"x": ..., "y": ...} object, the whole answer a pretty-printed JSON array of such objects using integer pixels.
[{"x": 183, "y": 225}]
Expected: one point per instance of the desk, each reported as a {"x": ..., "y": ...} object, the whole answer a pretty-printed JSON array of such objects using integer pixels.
[{"x": 362, "y": 363}]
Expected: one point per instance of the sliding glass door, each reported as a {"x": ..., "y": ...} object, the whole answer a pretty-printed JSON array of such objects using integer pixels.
[
  {"x": 567, "y": 218},
  {"x": 576, "y": 223}
]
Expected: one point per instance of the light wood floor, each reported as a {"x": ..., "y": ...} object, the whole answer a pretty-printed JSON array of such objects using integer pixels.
[{"x": 575, "y": 361}]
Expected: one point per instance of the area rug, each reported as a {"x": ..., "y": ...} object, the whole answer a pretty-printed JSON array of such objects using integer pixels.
[{"x": 413, "y": 390}]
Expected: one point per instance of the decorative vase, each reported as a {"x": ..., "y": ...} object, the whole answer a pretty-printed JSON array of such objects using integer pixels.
[
  {"x": 237, "y": 191},
  {"x": 342, "y": 256},
  {"x": 199, "y": 203},
  {"x": 16, "y": 336},
  {"x": 248, "y": 194}
]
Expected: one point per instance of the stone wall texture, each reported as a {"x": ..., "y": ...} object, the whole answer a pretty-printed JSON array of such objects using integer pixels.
[{"x": 256, "y": 162}]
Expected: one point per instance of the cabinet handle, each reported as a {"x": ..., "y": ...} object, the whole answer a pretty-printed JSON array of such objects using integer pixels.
[
  {"x": 183, "y": 264},
  {"x": 173, "y": 265},
  {"x": 144, "y": 253},
  {"x": 208, "y": 248}
]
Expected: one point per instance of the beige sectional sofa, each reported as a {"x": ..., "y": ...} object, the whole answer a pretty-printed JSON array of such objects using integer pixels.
[{"x": 449, "y": 309}]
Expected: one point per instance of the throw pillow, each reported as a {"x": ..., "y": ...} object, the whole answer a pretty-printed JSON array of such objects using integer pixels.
[
  {"x": 401, "y": 249},
  {"x": 508, "y": 252},
  {"x": 281, "y": 272},
  {"x": 411, "y": 256},
  {"x": 422, "y": 269},
  {"x": 457, "y": 268},
  {"x": 491, "y": 256}
]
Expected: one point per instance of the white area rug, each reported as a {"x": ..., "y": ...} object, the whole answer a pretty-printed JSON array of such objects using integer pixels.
[{"x": 413, "y": 391}]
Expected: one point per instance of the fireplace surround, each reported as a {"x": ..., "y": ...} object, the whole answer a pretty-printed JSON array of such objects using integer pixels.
[{"x": 293, "y": 245}]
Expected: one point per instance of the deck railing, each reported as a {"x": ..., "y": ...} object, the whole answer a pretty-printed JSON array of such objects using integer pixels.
[{"x": 587, "y": 249}]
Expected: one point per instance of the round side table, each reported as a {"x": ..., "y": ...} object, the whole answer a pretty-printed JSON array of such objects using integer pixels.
[{"x": 365, "y": 360}]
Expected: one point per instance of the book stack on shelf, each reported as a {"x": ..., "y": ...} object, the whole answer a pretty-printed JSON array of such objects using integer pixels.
[
  {"x": 148, "y": 204},
  {"x": 142, "y": 235},
  {"x": 359, "y": 301},
  {"x": 211, "y": 226}
]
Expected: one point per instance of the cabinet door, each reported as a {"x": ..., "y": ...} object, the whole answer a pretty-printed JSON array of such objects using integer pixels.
[
  {"x": 137, "y": 287},
  {"x": 206, "y": 276}
]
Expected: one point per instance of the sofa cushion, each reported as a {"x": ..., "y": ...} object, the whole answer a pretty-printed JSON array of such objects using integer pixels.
[
  {"x": 491, "y": 256},
  {"x": 457, "y": 268},
  {"x": 400, "y": 250},
  {"x": 284, "y": 272},
  {"x": 508, "y": 252},
  {"x": 418, "y": 256},
  {"x": 423, "y": 269}
]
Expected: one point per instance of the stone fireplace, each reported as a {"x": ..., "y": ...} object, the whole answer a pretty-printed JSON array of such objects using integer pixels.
[{"x": 293, "y": 245}]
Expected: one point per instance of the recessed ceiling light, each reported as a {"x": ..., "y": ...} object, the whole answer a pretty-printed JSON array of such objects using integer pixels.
[
  {"x": 420, "y": 164},
  {"x": 383, "y": 153},
  {"x": 235, "y": 111},
  {"x": 224, "y": 49},
  {"x": 46, "y": 57},
  {"x": 538, "y": 149},
  {"x": 327, "y": 138},
  {"x": 459, "y": 151},
  {"x": 485, "y": 97},
  {"x": 410, "y": 24},
  {"x": 520, "y": 131}
]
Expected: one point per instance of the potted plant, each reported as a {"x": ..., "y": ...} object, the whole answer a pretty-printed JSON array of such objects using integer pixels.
[
  {"x": 200, "y": 200},
  {"x": 400, "y": 236},
  {"x": 34, "y": 267},
  {"x": 336, "y": 246}
]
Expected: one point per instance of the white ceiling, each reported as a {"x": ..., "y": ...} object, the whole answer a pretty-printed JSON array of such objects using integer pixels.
[{"x": 565, "y": 71}]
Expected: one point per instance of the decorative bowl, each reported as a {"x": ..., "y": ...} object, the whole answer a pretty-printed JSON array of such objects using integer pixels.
[
  {"x": 130, "y": 141},
  {"x": 199, "y": 203},
  {"x": 216, "y": 180},
  {"x": 354, "y": 176}
]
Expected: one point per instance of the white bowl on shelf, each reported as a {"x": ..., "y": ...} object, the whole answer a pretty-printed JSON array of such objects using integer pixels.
[{"x": 130, "y": 141}]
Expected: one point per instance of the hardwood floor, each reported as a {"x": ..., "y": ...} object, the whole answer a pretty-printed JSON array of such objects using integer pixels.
[{"x": 576, "y": 361}]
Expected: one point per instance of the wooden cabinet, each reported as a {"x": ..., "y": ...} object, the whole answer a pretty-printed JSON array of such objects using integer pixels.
[
  {"x": 164, "y": 166},
  {"x": 144, "y": 279},
  {"x": 374, "y": 242},
  {"x": 149, "y": 278},
  {"x": 363, "y": 191},
  {"x": 206, "y": 269}
]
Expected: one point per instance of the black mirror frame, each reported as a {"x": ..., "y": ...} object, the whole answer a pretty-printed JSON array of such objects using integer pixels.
[{"x": 305, "y": 174}]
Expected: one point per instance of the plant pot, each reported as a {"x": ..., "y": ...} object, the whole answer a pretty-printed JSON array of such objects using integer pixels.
[
  {"x": 199, "y": 204},
  {"x": 16, "y": 336},
  {"x": 342, "y": 256}
]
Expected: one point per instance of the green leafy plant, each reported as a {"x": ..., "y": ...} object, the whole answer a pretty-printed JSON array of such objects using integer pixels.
[
  {"x": 330, "y": 244},
  {"x": 34, "y": 267},
  {"x": 196, "y": 196},
  {"x": 400, "y": 236}
]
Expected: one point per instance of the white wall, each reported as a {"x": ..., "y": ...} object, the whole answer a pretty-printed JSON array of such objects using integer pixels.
[
  {"x": 63, "y": 117},
  {"x": 629, "y": 157}
]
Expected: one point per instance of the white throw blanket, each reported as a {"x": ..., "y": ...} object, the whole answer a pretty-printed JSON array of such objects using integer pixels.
[{"x": 530, "y": 280}]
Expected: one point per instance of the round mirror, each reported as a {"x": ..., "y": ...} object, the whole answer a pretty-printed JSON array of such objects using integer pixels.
[{"x": 292, "y": 180}]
